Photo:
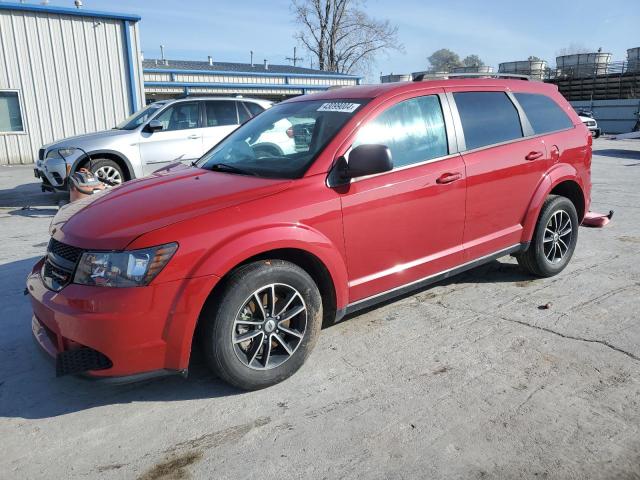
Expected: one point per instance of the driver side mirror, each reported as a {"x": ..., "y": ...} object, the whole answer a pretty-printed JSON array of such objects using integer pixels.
[
  {"x": 363, "y": 160},
  {"x": 154, "y": 126}
]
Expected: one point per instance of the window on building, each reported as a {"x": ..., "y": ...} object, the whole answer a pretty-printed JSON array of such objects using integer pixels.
[
  {"x": 413, "y": 130},
  {"x": 487, "y": 118},
  {"x": 10, "y": 113},
  {"x": 543, "y": 113},
  {"x": 221, "y": 112}
]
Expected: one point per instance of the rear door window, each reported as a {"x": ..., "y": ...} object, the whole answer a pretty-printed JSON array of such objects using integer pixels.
[
  {"x": 254, "y": 108},
  {"x": 487, "y": 118},
  {"x": 243, "y": 113},
  {"x": 543, "y": 113},
  {"x": 221, "y": 112},
  {"x": 413, "y": 130}
]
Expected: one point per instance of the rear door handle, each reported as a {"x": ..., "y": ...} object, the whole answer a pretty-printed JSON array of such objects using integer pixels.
[
  {"x": 194, "y": 137},
  {"x": 448, "y": 177},
  {"x": 533, "y": 155}
]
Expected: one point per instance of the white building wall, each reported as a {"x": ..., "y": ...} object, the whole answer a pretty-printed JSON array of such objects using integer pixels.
[{"x": 72, "y": 75}]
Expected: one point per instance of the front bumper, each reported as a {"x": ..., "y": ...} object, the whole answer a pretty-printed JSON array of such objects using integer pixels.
[
  {"x": 53, "y": 172},
  {"x": 142, "y": 331}
]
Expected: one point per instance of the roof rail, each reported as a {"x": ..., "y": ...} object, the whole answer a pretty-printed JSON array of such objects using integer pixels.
[{"x": 423, "y": 76}]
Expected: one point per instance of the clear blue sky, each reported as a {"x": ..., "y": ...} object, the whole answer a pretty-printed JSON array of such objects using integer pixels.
[{"x": 496, "y": 30}]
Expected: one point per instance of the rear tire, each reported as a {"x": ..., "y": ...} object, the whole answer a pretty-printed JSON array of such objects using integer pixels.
[
  {"x": 255, "y": 345},
  {"x": 554, "y": 239}
]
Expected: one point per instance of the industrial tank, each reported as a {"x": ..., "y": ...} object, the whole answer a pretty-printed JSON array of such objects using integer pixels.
[
  {"x": 482, "y": 69},
  {"x": 395, "y": 77},
  {"x": 534, "y": 68},
  {"x": 583, "y": 65},
  {"x": 633, "y": 59},
  {"x": 429, "y": 74}
]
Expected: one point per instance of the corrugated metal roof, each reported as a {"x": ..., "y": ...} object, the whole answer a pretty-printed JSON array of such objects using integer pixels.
[
  {"x": 235, "y": 67},
  {"x": 77, "y": 12}
]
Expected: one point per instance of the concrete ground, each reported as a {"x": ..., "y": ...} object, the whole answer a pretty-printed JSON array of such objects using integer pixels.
[{"x": 467, "y": 379}]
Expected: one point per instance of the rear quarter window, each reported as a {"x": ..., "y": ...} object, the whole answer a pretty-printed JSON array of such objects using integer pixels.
[
  {"x": 543, "y": 113},
  {"x": 487, "y": 118}
]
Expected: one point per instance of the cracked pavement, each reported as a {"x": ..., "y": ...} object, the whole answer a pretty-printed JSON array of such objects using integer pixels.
[{"x": 467, "y": 379}]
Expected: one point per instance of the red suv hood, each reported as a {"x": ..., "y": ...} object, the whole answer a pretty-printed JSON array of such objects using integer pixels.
[{"x": 114, "y": 219}]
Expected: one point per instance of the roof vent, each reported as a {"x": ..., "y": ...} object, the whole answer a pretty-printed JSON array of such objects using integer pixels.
[
  {"x": 210, "y": 60},
  {"x": 266, "y": 64}
]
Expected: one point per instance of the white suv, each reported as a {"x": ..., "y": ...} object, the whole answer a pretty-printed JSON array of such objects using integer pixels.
[
  {"x": 161, "y": 133},
  {"x": 586, "y": 117}
]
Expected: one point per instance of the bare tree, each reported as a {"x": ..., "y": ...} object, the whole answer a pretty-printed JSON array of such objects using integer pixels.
[{"x": 341, "y": 36}]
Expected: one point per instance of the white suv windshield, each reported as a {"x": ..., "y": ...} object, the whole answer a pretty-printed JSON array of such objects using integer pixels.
[
  {"x": 140, "y": 117},
  {"x": 283, "y": 141}
]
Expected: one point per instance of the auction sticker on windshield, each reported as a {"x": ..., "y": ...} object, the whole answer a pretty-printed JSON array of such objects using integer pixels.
[{"x": 342, "y": 107}]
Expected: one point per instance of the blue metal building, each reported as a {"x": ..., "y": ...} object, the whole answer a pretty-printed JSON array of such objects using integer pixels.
[
  {"x": 64, "y": 71},
  {"x": 174, "y": 78}
]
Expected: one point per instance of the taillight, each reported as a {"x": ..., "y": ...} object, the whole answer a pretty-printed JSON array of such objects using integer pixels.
[
  {"x": 589, "y": 139},
  {"x": 290, "y": 132}
]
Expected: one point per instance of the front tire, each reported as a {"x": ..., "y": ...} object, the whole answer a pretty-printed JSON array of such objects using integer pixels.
[
  {"x": 263, "y": 325},
  {"x": 107, "y": 171},
  {"x": 554, "y": 239}
]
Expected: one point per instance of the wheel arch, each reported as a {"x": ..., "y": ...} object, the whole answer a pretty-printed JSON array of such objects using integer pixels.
[
  {"x": 563, "y": 181},
  {"x": 117, "y": 157},
  {"x": 305, "y": 247},
  {"x": 306, "y": 260}
]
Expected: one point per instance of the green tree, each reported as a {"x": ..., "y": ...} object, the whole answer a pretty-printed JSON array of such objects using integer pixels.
[
  {"x": 444, "y": 60},
  {"x": 473, "y": 61}
]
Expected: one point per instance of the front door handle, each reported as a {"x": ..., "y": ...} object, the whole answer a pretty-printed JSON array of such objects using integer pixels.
[
  {"x": 448, "y": 177},
  {"x": 194, "y": 137},
  {"x": 534, "y": 155}
]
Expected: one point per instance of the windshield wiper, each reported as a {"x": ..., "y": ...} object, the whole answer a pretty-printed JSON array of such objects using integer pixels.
[{"x": 225, "y": 167}]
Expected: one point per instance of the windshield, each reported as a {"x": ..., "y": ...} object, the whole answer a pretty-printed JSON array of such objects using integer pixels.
[
  {"x": 140, "y": 117},
  {"x": 283, "y": 141}
]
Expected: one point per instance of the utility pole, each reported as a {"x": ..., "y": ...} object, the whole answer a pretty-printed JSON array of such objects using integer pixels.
[{"x": 294, "y": 59}]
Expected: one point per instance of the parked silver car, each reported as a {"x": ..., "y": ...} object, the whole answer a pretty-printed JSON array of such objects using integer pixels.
[{"x": 159, "y": 134}]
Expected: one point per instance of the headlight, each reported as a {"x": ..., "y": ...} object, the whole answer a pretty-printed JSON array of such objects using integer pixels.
[
  {"x": 58, "y": 152},
  {"x": 134, "y": 268}
]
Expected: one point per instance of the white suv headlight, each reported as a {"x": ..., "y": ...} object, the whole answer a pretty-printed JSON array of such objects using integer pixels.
[
  {"x": 61, "y": 152},
  {"x": 134, "y": 268}
]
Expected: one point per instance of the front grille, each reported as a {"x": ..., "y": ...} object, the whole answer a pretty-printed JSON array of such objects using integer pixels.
[
  {"x": 41, "y": 154},
  {"x": 55, "y": 278},
  {"x": 60, "y": 264},
  {"x": 81, "y": 360},
  {"x": 65, "y": 251}
]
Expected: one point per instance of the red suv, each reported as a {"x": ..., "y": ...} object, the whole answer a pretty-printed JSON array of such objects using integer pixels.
[{"x": 386, "y": 188}]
